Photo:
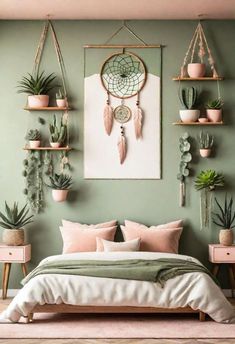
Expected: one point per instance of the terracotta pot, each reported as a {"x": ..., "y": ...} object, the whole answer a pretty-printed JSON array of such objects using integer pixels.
[
  {"x": 214, "y": 115},
  {"x": 189, "y": 115},
  {"x": 61, "y": 102},
  {"x": 40, "y": 100},
  {"x": 205, "y": 153},
  {"x": 34, "y": 144},
  {"x": 226, "y": 237},
  {"x": 55, "y": 144},
  {"x": 196, "y": 70},
  {"x": 59, "y": 195},
  {"x": 13, "y": 237}
]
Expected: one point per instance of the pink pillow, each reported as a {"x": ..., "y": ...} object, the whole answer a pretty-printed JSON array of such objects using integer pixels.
[
  {"x": 153, "y": 239},
  {"x": 77, "y": 239},
  {"x": 173, "y": 224},
  {"x": 111, "y": 246},
  {"x": 67, "y": 223}
]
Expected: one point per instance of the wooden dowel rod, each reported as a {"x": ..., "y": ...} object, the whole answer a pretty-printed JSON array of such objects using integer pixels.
[{"x": 97, "y": 46}]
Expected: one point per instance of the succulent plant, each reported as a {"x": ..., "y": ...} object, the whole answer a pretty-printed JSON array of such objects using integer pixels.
[
  {"x": 38, "y": 84},
  {"x": 188, "y": 97},
  {"x": 215, "y": 104},
  {"x": 60, "y": 94},
  {"x": 209, "y": 180},
  {"x": 33, "y": 135},
  {"x": 58, "y": 133},
  {"x": 15, "y": 218},
  {"x": 205, "y": 140},
  {"x": 226, "y": 215},
  {"x": 60, "y": 182},
  {"x": 186, "y": 156}
]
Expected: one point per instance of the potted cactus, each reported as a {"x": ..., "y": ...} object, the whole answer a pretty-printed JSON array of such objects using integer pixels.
[
  {"x": 34, "y": 138},
  {"x": 58, "y": 133},
  {"x": 206, "y": 142},
  {"x": 61, "y": 99},
  {"x": 188, "y": 97},
  {"x": 214, "y": 110},
  {"x": 60, "y": 185},
  {"x": 13, "y": 222},
  {"x": 37, "y": 86}
]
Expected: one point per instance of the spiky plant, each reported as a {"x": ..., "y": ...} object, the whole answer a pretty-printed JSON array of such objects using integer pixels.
[
  {"x": 33, "y": 135},
  {"x": 58, "y": 132},
  {"x": 215, "y": 104},
  {"x": 209, "y": 180},
  {"x": 205, "y": 140},
  {"x": 38, "y": 84},
  {"x": 15, "y": 218},
  {"x": 188, "y": 97},
  {"x": 60, "y": 94},
  {"x": 60, "y": 182},
  {"x": 226, "y": 215}
]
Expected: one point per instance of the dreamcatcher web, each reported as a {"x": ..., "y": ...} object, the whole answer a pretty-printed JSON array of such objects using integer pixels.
[{"x": 123, "y": 75}]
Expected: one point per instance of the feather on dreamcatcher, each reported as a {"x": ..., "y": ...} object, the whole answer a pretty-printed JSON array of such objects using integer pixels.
[{"x": 123, "y": 76}]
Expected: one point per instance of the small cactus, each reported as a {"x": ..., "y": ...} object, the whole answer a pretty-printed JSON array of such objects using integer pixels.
[
  {"x": 33, "y": 135},
  {"x": 205, "y": 140},
  {"x": 58, "y": 133},
  {"x": 188, "y": 97},
  {"x": 215, "y": 104}
]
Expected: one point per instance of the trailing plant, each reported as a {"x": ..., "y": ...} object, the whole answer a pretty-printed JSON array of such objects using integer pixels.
[
  {"x": 60, "y": 94},
  {"x": 226, "y": 214},
  {"x": 14, "y": 217},
  {"x": 33, "y": 135},
  {"x": 60, "y": 182},
  {"x": 215, "y": 104},
  {"x": 188, "y": 97},
  {"x": 58, "y": 132},
  {"x": 36, "y": 84},
  {"x": 205, "y": 140}
]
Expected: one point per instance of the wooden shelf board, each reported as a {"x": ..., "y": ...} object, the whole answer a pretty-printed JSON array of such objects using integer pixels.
[
  {"x": 206, "y": 78},
  {"x": 67, "y": 148},
  {"x": 197, "y": 123},
  {"x": 49, "y": 108}
]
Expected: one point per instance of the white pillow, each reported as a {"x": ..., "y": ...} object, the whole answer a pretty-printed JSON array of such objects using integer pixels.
[{"x": 111, "y": 246}]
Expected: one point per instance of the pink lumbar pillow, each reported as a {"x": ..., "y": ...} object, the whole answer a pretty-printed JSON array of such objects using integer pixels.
[
  {"x": 80, "y": 239},
  {"x": 108, "y": 224},
  {"x": 153, "y": 239},
  {"x": 111, "y": 246}
]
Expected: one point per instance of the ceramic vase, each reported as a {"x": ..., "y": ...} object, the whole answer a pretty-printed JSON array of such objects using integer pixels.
[
  {"x": 205, "y": 153},
  {"x": 34, "y": 144},
  {"x": 189, "y": 115},
  {"x": 61, "y": 102},
  {"x": 214, "y": 115},
  {"x": 196, "y": 70},
  {"x": 59, "y": 195},
  {"x": 36, "y": 101}
]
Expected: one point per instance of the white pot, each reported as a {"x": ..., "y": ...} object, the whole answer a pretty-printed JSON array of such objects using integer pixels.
[
  {"x": 61, "y": 102},
  {"x": 59, "y": 195},
  {"x": 189, "y": 115},
  {"x": 55, "y": 144},
  {"x": 214, "y": 115},
  {"x": 40, "y": 100},
  {"x": 196, "y": 70},
  {"x": 34, "y": 144},
  {"x": 205, "y": 153}
]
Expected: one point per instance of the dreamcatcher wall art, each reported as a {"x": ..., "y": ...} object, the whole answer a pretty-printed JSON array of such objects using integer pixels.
[{"x": 122, "y": 112}]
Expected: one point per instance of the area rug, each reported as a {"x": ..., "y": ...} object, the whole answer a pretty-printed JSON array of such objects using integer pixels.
[{"x": 116, "y": 326}]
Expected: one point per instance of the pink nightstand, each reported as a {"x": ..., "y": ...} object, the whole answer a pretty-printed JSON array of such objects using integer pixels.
[
  {"x": 219, "y": 254},
  {"x": 9, "y": 255}
]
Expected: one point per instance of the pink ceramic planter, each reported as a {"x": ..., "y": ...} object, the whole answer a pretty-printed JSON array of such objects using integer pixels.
[
  {"x": 196, "y": 70},
  {"x": 61, "y": 102},
  {"x": 203, "y": 120},
  {"x": 59, "y": 195},
  {"x": 34, "y": 144},
  {"x": 205, "y": 153},
  {"x": 55, "y": 144},
  {"x": 38, "y": 101},
  {"x": 214, "y": 115}
]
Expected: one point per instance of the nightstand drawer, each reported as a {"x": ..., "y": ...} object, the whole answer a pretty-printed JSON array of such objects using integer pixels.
[
  {"x": 223, "y": 254},
  {"x": 21, "y": 254}
]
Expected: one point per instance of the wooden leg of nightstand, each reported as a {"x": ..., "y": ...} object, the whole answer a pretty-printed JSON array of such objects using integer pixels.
[
  {"x": 6, "y": 274},
  {"x": 215, "y": 269},
  {"x": 3, "y": 280},
  {"x": 231, "y": 277},
  {"x": 24, "y": 269}
]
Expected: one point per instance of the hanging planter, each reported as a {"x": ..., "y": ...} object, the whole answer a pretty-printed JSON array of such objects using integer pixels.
[
  {"x": 206, "y": 142},
  {"x": 60, "y": 185}
]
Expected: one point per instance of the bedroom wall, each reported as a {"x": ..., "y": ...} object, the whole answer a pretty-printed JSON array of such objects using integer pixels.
[{"x": 150, "y": 202}]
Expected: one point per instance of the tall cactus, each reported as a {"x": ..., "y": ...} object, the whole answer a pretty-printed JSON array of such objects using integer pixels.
[
  {"x": 58, "y": 133},
  {"x": 188, "y": 97}
]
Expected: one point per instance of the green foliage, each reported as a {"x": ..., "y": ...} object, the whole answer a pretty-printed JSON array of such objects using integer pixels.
[
  {"x": 186, "y": 156},
  {"x": 188, "y": 97},
  {"x": 41, "y": 120},
  {"x": 60, "y": 182},
  {"x": 38, "y": 84},
  {"x": 205, "y": 140},
  {"x": 209, "y": 180},
  {"x": 226, "y": 215},
  {"x": 215, "y": 104},
  {"x": 60, "y": 94},
  {"x": 15, "y": 218},
  {"x": 33, "y": 135},
  {"x": 58, "y": 132}
]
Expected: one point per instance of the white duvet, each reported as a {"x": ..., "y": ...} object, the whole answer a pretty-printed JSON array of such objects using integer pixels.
[{"x": 196, "y": 290}]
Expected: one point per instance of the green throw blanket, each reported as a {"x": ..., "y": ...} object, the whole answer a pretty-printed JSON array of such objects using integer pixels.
[{"x": 159, "y": 270}]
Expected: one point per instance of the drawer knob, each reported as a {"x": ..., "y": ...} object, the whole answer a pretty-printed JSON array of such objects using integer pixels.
[
  {"x": 228, "y": 253},
  {"x": 10, "y": 254}
]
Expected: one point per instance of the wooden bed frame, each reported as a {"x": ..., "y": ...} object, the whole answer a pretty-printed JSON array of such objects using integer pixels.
[{"x": 64, "y": 308}]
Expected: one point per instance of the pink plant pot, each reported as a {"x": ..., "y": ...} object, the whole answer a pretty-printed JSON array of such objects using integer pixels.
[
  {"x": 196, "y": 70},
  {"x": 34, "y": 144},
  {"x": 59, "y": 195},
  {"x": 38, "y": 101},
  {"x": 203, "y": 120},
  {"x": 55, "y": 144},
  {"x": 214, "y": 115},
  {"x": 61, "y": 102},
  {"x": 205, "y": 153}
]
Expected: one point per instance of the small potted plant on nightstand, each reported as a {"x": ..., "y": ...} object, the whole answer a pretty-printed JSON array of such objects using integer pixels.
[
  {"x": 58, "y": 133},
  {"x": 34, "y": 138},
  {"x": 60, "y": 185},
  {"x": 61, "y": 99},
  {"x": 206, "y": 142},
  {"x": 13, "y": 221},
  {"x": 188, "y": 97},
  {"x": 224, "y": 218},
  {"x": 214, "y": 110}
]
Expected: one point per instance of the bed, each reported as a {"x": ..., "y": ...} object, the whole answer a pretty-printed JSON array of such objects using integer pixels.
[{"x": 190, "y": 293}]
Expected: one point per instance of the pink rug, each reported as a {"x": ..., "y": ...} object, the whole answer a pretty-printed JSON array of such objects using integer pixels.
[{"x": 117, "y": 326}]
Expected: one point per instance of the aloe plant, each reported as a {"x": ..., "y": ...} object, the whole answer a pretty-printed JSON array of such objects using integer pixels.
[
  {"x": 58, "y": 132},
  {"x": 15, "y": 218},
  {"x": 38, "y": 84},
  {"x": 33, "y": 135},
  {"x": 205, "y": 140},
  {"x": 226, "y": 214},
  {"x": 188, "y": 97},
  {"x": 60, "y": 182},
  {"x": 209, "y": 180},
  {"x": 215, "y": 104}
]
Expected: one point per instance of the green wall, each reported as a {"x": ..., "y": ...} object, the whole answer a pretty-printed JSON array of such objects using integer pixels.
[{"x": 150, "y": 202}]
